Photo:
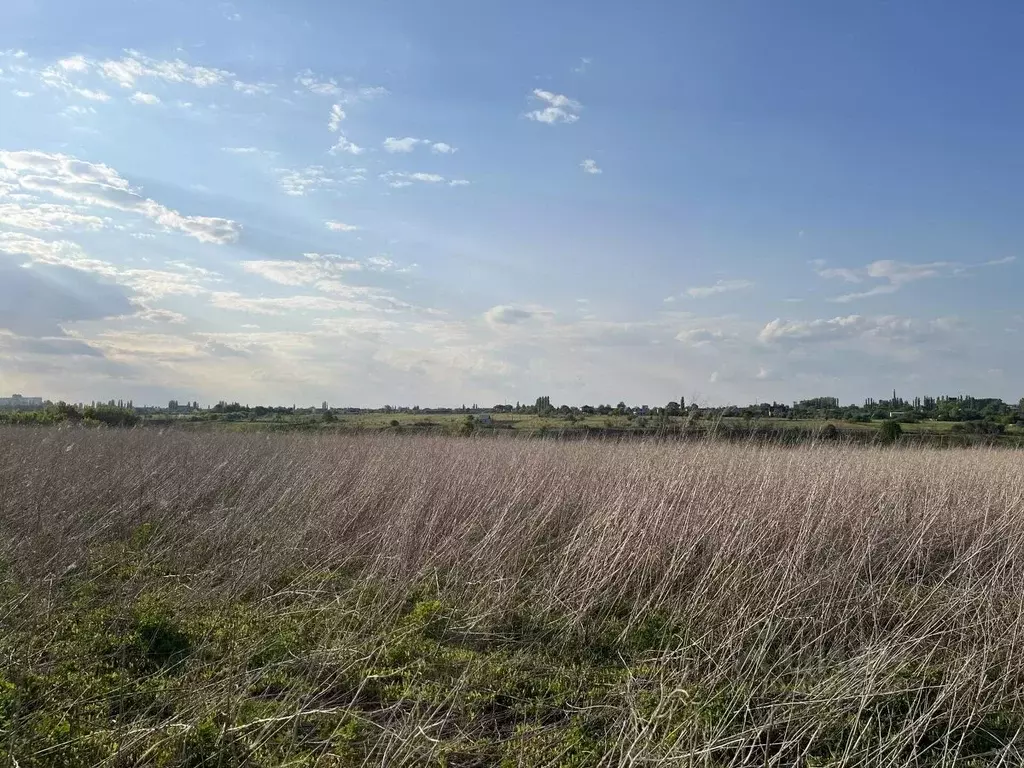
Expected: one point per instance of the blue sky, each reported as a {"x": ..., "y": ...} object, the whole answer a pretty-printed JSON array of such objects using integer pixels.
[{"x": 448, "y": 202}]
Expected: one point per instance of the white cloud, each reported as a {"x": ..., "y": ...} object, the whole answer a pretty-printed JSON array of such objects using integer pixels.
[
  {"x": 583, "y": 65},
  {"x": 267, "y": 153},
  {"x": 144, "y": 98},
  {"x": 344, "y": 145},
  {"x": 1000, "y": 262},
  {"x": 335, "y": 118},
  {"x": 699, "y": 337},
  {"x": 722, "y": 286},
  {"x": 340, "y": 226},
  {"x": 23, "y": 94},
  {"x": 314, "y": 84},
  {"x": 97, "y": 185},
  {"x": 830, "y": 273},
  {"x": 92, "y": 95},
  {"x": 179, "y": 279},
  {"x": 76, "y": 109},
  {"x": 590, "y": 166},
  {"x": 330, "y": 87},
  {"x": 76, "y": 63},
  {"x": 895, "y": 274},
  {"x": 302, "y": 181},
  {"x": 308, "y": 272},
  {"x": 283, "y": 305},
  {"x": 134, "y": 66},
  {"x": 399, "y": 179},
  {"x": 330, "y": 273},
  {"x": 430, "y": 178},
  {"x": 253, "y": 89},
  {"x": 57, "y": 252},
  {"x": 161, "y": 316},
  {"x": 46, "y": 217},
  {"x": 408, "y": 144},
  {"x": 855, "y": 327},
  {"x": 395, "y": 145},
  {"x": 559, "y": 109}
]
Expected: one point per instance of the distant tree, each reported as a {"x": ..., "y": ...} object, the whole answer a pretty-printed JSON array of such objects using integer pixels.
[
  {"x": 111, "y": 415},
  {"x": 672, "y": 409},
  {"x": 829, "y": 432},
  {"x": 890, "y": 431},
  {"x": 64, "y": 412},
  {"x": 329, "y": 417}
]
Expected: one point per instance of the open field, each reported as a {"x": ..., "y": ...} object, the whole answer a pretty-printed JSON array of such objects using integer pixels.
[{"x": 172, "y": 598}]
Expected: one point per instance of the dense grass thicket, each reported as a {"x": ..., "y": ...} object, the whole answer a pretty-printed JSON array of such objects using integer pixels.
[{"x": 215, "y": 599}]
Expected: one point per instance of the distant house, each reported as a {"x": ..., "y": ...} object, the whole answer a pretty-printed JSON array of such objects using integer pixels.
[
  {"x": 19, "y": 402},
  {"x": 897, "y": 414},
  {"x": 484, "y": 418}
]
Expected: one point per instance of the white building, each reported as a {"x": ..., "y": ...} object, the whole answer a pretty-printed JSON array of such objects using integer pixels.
[{"x": 17, "y": 401}]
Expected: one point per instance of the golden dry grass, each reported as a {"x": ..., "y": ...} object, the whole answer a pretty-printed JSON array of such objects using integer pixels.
[{"x": 739, "y": 605}]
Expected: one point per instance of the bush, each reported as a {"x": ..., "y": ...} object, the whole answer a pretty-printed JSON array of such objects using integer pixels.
[
  {"x": 829, "y": 432},
  {"x": 890, "y": 431}
]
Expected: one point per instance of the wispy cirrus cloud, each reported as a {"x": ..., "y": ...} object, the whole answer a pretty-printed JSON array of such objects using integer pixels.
[
  {"x": 721, "y": 286},
  {"x": 891, "y": 275}
]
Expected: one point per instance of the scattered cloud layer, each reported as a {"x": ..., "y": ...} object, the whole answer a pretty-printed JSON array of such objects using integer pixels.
[
  {"x": 590, "y": 166},
  {"x": 94, "y": 185}
]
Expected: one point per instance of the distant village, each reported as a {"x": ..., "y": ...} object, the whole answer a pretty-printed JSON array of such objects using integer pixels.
[{"x": 954, "y": 408}]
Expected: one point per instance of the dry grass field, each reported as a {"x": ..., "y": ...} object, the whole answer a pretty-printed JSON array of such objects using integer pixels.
[{"x": 216, "y": 599}]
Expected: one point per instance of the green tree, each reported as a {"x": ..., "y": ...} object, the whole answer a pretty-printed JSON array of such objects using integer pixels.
[{"x": 329, "y": 417}]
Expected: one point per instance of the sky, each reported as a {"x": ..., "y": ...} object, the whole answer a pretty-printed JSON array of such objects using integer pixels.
[{"x": 484, "y": 202}]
